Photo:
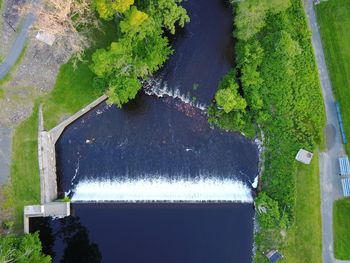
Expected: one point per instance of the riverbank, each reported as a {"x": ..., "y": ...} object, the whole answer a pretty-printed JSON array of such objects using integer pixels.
[
  {"x": 279, "y": 83},
  {"x": 73, "y": 90}
]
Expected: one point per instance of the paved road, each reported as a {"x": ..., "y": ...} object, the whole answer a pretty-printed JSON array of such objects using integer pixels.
[
  {"x": 329, "y": 170},
  {"x": 17, "y": 47}
]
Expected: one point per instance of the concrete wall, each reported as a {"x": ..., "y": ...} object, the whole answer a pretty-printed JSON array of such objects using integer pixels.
[
  {"x": 53, "y": 209},
  {"x": 47, "y": 152},
  {"x": 47, "y": 168}
]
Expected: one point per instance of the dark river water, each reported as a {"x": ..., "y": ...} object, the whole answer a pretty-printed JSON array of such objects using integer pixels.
[{"x": 162, "y": 135}]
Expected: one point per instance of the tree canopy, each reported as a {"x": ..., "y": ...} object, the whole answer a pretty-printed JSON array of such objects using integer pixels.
[
  {"x": 107, "y": 8},
  {"x": 140, "y": 50},
  {"x": 251, "y": 15},
  {"x": 227, "y": 96},
  {"x": 22, "y": 249},
  {"x": 169, "y": 13}
]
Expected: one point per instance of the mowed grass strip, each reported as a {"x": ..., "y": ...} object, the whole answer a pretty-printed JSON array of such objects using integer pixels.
[
  {"x": 341, "y": 228},
  {"x": 334, "y": 21},
  {"x": 24, "y": 186},
  {"x": 304, "y": 242}
]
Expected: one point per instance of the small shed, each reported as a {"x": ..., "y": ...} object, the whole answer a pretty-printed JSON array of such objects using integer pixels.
[
  {"x": 304, "y": 156},
  {"x": 346, "y": 186},
  {"x": 273, "y": 255},
  {"x": 344, "y": 165}
]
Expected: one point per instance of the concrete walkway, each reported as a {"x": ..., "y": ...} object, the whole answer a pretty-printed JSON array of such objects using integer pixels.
[
  {"x": 17, "y": 47},
  {"x": 329, "y": 170}
]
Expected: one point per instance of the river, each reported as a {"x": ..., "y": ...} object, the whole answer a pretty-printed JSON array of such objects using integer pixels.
[{"x": 152, "y": 182}]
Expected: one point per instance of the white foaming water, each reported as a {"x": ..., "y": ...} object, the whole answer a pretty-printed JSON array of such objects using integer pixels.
[
  {"x": 256, "y": 182},
  {"x": 163, "y": 190},
  {"x": 153, "y": 87}
]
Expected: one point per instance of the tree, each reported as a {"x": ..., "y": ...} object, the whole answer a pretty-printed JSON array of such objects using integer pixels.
[
  {"x": 122, "y": 89},
  {"x": 22, "y": 249},
  {"x": 250, "y": 18},
  {"x": 249, "y": 61},
  {"x": 169, "y": 12},
  {"x": 138, "y": 53},
  {"x": 227, "y": 96},
  {"x": 251, "y": 15},
  {"x": 108, "y": 8},
  {"x": 141, "y": 49}
]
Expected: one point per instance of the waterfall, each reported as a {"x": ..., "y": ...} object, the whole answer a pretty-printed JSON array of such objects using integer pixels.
[
  {"x": 163, "y": 190},
  {"x": 155, "y": 87}
]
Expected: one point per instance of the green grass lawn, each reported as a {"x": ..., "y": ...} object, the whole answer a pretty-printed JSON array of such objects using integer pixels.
[
  {"x": 24, "y": 188},
  {"x": 73, "y": 90},
  {"x": 341, "y": 228},
  {"x": 304, "y": 243},
  {"x": 334, "y": 20}
]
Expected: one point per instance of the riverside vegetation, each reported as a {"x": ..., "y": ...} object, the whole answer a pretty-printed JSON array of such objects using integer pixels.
[
  {"x": 141, "y": 48},
  {"x": 274, "y": 88}
]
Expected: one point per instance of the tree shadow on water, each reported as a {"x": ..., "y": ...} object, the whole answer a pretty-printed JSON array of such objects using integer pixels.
[{"x": 77, "y": 245}]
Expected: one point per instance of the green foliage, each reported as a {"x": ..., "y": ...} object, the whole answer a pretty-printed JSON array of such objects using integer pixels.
[
  {"x": 140, "y": 50},
  {"x": 22, "y": 249},
  {"x": 107, "y": 8},
  {"x": 122, "y": 89},
  {"x": 250, "y": 18},
  {"x": 281, "y": 88},
  {"x": 232, "y": 121},
  {"x": 66, "y": 199},
  {"x": 278, "y": 80},
  {"x": 269, "y": 214},
  {"x": 249, "y": 60},
  {"x": 251, "y": 15},
  {"x": 8, "y": 224},
  {"x": 227, "y": 96},
  {"x": 169, "y": 13}
]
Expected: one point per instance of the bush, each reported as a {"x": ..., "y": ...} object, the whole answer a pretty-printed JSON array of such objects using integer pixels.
[
  {"x": 269, "y": 214},
  {"x": 22, "y": 249}
]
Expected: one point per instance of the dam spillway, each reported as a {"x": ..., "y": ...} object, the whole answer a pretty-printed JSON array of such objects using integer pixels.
[
  {"x": 163, "y": 190},
  {"x": 163, "y": 137}
]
